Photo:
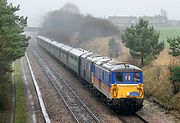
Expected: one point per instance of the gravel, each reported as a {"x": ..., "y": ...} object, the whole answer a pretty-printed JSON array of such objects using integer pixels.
[
  {"x": 54, "y": 104},
  {"x": 31, "y": 90}
]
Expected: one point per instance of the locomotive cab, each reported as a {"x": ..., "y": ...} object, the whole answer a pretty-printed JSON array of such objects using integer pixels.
[
  {"x": 127, "y": 91},
  {"x": 127, "y": 84}
]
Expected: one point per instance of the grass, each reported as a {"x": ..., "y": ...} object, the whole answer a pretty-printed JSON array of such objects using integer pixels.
[
  {"x": 20, "y": 112},
  {"x": 166, "y": 32},
  {"x": 157, "y": 84}
]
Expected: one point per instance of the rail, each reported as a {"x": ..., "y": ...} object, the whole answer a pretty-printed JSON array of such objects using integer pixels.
[
  {"x": 76, "y": 106},
  {"x": 41, "y": 102}
]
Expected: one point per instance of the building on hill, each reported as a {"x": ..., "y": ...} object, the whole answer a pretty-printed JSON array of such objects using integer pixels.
[
  {"x": 156, "y": 20},
  {"x": 125, "y": 21}
]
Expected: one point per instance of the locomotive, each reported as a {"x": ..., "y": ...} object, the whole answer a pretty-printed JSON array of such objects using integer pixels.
[{"x": 119, "y": 84}]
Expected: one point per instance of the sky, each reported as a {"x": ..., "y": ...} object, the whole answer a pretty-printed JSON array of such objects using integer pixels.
[{"x": 35, "y": 10}]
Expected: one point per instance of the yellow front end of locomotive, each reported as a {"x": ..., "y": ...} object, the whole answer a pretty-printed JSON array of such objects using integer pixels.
[{"x": 127, "y": 91}]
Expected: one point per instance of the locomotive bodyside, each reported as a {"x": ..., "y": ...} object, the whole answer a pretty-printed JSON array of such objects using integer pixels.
[{"x": 85, "y": 67}]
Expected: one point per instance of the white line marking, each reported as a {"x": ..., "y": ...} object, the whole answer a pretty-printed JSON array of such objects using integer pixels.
[
  {"x": 43, "y": 108},
  {"x": 29, "y": 94}
]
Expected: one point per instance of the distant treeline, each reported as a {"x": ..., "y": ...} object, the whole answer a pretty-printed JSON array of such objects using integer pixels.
[{"x": 74, "y": 28}]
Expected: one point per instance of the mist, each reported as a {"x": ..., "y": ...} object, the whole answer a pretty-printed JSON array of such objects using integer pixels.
[
  {"x": 68, "y": 25},
  {"x": 36, "y": 9}
]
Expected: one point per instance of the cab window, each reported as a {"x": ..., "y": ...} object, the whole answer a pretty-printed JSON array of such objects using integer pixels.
[
  {"x": 136, "y": 77},
  {"x": 119, "y": 77}
]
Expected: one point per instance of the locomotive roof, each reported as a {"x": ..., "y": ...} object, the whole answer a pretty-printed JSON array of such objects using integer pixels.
[
  {"x": 116, "y": 66},
  {"x": 78, "y": 51},
  {"x": 102, "y": 61}
]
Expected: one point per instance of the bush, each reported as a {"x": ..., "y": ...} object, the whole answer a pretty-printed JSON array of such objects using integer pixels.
[
  {"x": 175, "y": 78},
  {"x": 174, "y": 46}
]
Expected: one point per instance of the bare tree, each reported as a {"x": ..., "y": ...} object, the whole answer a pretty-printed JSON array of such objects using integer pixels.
[{"x": 70, "y": 7}]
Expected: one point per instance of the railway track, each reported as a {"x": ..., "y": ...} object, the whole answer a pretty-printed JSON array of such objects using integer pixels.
[
  {"x": 141, "y": 118},
  {"x": 76, "y": 106},
  {"x": 39, "y": 95},
  {"x": 127, "y": 118}
]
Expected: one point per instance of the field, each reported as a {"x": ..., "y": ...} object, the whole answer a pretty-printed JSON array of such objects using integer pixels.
[{"x": 166, "y": 32}]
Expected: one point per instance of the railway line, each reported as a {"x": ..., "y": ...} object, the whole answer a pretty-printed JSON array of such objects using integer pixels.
[
  {"x": 59, "y": 82},
  {"x": 76, "y": 106},
  {"x": 32, "y": 115},
  {"x": 40, "y": 99}
]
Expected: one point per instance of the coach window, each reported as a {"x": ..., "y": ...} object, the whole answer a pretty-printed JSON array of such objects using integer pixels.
[{"x": 119, "y": 77}]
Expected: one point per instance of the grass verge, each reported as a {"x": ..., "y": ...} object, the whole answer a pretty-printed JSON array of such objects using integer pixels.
[{"x": 20, "y": 112}]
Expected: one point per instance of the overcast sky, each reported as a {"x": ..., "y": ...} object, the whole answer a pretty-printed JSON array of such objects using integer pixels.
[{"x": 36, "y": 9}]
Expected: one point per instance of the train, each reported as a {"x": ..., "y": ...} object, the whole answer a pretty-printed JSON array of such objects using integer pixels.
[{"x": 118, "y": 84}]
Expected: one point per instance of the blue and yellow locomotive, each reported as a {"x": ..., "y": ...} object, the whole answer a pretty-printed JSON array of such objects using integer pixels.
[{"x": 119, "y": 84}]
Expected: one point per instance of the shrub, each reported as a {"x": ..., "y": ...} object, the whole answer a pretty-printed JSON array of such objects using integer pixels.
[{"x": 175, "y": 78}]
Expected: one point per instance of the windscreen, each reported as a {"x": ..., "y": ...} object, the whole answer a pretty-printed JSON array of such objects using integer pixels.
[
  {"x": 119, "y": 77},
  {"x": 128, "y": 77},
  {"x": 136, "y": 77}
]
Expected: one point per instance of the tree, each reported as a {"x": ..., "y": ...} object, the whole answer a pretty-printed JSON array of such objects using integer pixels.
[
  {"x": 174, "y": 46},
  {"x": 70, "y": 7},
  {"x": 175, "y": 78},
  {"x": 142, "y": 41},
  {"x": 113, "y": 47},
  {"x": 12, "y": 42}
]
